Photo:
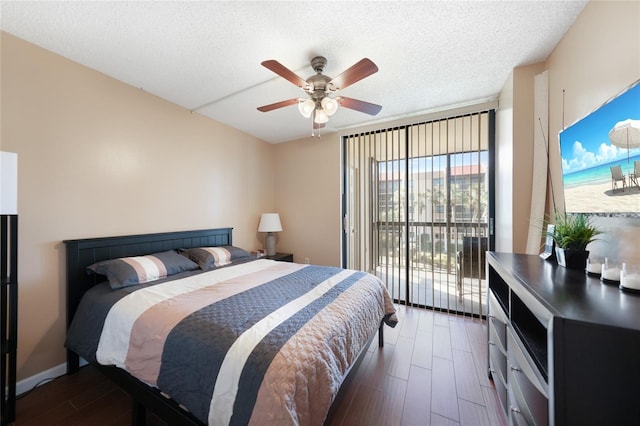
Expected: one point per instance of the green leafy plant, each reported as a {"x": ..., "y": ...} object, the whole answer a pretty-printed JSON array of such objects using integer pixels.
[{"x": 574, "y": 232}]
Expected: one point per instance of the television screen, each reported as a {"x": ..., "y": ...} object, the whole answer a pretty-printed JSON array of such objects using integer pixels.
[{"x": 601, "y": 158}]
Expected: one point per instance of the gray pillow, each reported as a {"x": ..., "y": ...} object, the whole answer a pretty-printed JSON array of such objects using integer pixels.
[
  {"x": 213, "y": 257},
  {"x": 127, "y": 271}
]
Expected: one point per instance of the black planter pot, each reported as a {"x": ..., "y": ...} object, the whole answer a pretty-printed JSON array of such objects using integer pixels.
[{"x": 572, "y": 259}]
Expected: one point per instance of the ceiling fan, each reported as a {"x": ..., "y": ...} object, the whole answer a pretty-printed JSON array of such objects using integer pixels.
[{"x": 319, "y": 87}]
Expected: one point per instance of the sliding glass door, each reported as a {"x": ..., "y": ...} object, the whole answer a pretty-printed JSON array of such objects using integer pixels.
[{"x": 417, "y": 209}]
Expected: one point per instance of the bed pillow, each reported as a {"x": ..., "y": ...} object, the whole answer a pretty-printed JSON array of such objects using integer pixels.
[
  {"x": 213, "y": 257},
  {"x": 126, "y": 271}
]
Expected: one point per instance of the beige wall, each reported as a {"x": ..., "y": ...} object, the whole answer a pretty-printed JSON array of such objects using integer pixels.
[
  {"x": 596, "y": 59},
  {"x": 98, "y": 158},
  {"x": 605, "y": 33},
  {"x": 308, "y": 187},
  {"x": 87, "y": 142},
  {"x": 524, "y": 122}
]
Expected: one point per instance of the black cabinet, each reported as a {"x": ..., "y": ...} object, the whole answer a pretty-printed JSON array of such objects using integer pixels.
[
  {"x": 564, "y": 348},
  {"x": 9, "y": 308}
]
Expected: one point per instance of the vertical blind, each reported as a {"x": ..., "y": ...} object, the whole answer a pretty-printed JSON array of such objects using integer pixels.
[{"x": 415, "y": 197}]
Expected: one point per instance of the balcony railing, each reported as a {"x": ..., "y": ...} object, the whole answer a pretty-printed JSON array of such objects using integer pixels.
[{"x": 419, "y": 262}]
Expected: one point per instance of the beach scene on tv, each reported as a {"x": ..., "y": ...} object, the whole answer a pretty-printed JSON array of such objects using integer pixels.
[{"x": 601, "y": 158}]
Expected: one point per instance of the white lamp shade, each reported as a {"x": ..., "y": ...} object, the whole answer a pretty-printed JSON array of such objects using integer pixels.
[
  {"x": 270, "y": 222},
  {"x": 306, "y": 107},
  {"x": 329, "y": 105},
  {"x": 8, "y": 183},
  {"x": 321, "y": 116}
]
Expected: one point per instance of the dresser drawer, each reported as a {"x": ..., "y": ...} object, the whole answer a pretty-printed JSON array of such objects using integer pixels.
[
  {"x": 498, "y": 362},
  {"x": 515, "y": 414},
  {"x": 528, "y": 392},
  {"x": 518, "y": 357},
  {"x": 497, "y": 333},
  {"x": 532, "y": 404},
  {"x": 495, "y": 309},
  {"x": 501, "y": 390},
  {"x": 497, "y": 324}
]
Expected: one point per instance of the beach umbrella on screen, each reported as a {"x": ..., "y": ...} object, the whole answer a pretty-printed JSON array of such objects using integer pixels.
[{"x": 626, "y": 134}]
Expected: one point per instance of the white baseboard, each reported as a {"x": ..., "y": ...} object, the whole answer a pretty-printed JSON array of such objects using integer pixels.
[{"x": 29, "y": 383}]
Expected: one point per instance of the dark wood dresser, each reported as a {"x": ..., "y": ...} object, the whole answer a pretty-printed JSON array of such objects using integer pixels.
[{"x": 564, "y": 348}]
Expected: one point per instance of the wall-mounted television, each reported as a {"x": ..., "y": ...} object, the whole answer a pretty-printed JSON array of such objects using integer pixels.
[{"x": 592, "y": 154}]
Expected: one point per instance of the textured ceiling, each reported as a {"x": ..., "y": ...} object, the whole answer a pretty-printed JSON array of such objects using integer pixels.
[{"x": 206, "y": 56}]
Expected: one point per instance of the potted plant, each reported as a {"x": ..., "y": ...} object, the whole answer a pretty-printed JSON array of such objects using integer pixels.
[{"x": 572, "y": 234}]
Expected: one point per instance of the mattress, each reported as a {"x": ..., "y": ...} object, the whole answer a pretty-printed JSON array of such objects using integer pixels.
[{"x": 261, "y": 342}]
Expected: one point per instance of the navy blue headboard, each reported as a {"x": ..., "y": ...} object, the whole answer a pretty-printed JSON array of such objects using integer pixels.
[{"x": 85, "y": 252}]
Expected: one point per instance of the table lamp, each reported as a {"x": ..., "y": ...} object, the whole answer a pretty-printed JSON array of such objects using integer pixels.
[{"x": 270, "y": 223}]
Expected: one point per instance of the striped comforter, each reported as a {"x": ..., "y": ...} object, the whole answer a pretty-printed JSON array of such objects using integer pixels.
[{"x": 262, "y": 342}]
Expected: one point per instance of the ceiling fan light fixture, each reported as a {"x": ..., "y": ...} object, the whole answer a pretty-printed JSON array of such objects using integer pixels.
[
  {"x": 306, "y": 107},
  {"x": 321, "y": 116},
  {"x": 329, "y": 105},
  {"x": 319, "y": 105}
]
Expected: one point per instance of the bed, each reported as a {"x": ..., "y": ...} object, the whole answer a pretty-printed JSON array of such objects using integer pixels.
[{"x": 231, "y": 340}]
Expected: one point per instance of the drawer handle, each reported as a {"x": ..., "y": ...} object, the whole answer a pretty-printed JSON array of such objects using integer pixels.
[
  {"x": 515, "y": 410},
  {"x": 491, "y": 343},
  {"x": 514, "y": 368}
]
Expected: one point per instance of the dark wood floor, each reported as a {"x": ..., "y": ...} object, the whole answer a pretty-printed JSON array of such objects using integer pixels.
[{"x": 431, "y": 371}]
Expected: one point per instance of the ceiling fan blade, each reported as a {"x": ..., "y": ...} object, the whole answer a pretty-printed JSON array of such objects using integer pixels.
[
  {"x": 362, "y": 106},
  {"x": 364, "y": 68},
  {"x": 277, "y": 105},
  {"x": 285, "y": 73}
]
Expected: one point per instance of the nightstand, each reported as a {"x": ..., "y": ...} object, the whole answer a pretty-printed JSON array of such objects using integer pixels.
[{"x": 282, "y": 257}]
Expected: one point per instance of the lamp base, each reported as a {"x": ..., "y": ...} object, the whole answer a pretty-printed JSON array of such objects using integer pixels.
[{"x": 270, "y": 244}]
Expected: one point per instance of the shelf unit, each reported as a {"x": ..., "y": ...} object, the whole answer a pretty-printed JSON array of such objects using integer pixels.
[
  {"x": 9, "y": 319},
  {"x": 563, "y": 348}
]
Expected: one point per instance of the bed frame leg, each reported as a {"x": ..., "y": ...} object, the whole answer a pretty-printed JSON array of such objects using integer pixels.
[
  {"x": 381, "y": 335},
  {"x": 73, "y": 362},
  {"x": 138, "y": 413}
]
